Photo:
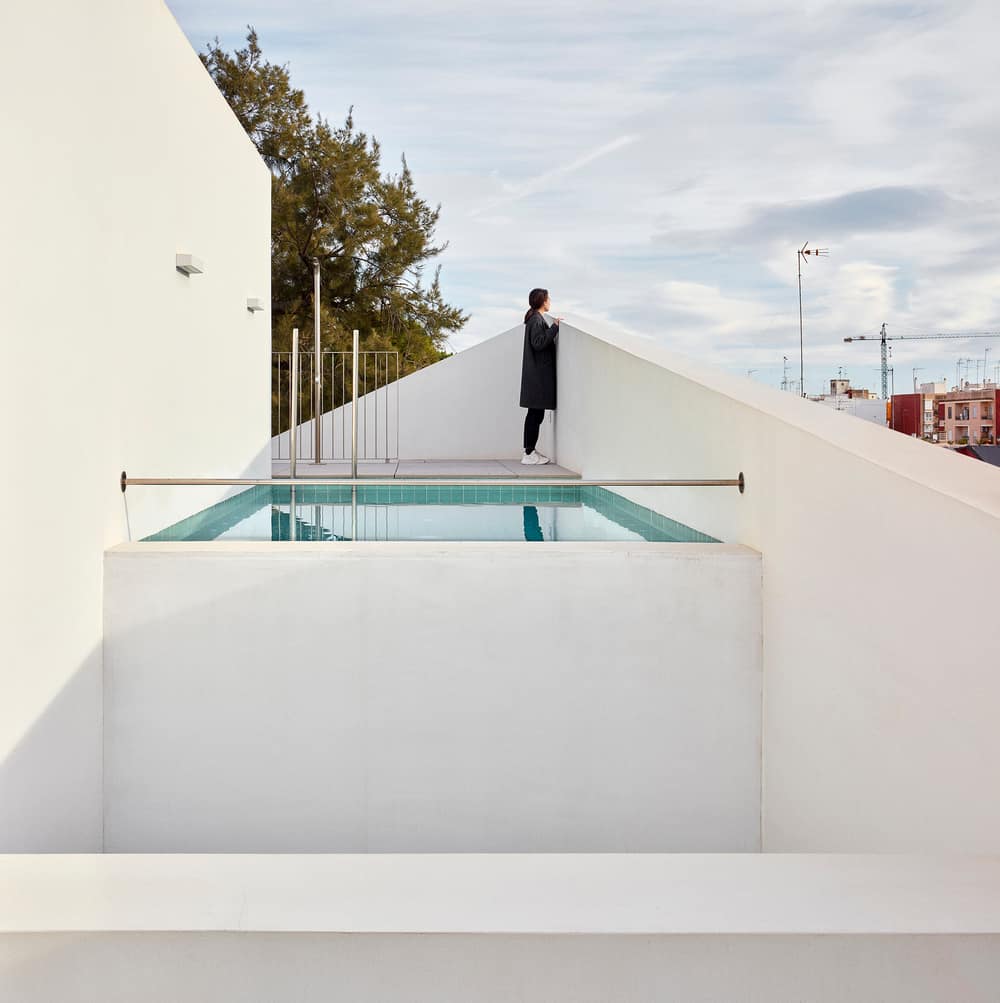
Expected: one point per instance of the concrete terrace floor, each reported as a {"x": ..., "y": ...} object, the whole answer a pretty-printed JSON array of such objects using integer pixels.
[{"x": 484, "y": 469}]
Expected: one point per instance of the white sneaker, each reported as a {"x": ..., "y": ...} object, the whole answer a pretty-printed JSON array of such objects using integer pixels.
[{"x": 534, "y": 457}]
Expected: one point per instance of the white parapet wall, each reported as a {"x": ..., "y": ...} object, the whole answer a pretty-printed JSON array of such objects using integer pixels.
[
  {"x": 879, "y": 597},
  {"x": 463, "y": 407},
  {"x": 431, "y": 697},
  {"x": 536, "y": 928},
  {"x": 879, "y": 590},
  {"x": 120, "y": 154}
]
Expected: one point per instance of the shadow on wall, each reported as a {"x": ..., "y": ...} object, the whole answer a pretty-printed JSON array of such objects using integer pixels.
[
  {"x": 50, "y": 781},
  {"x": 150, "y": 508},
  {"x": 275, "y": 707},
  {"x": 51, "y": 784}
]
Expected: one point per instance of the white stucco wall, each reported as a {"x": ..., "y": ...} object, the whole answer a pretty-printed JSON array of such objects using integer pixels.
[
  {"x": 857, "y": 407},
  {"x": 879, "y": 725},
  {"x": 879, "y": 710},
  {"x": 119, "y": 154},
  {"x": 291, "y": 697},
  {"x": 463, "y": 407}
]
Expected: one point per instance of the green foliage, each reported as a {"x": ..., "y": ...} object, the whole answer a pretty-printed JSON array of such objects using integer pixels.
[{"x": 372, "y": 234}]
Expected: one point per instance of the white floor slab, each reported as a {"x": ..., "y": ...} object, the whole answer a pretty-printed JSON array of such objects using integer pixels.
[
  {"x": 451, "y": 468},
  {"x": 532, "y": 470},
  {"x": 503, "y": 468},
  {"x": 334, "y": 468}
]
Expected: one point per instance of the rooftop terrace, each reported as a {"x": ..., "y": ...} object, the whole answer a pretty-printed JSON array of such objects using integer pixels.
[{"x": 450, "y": 770}]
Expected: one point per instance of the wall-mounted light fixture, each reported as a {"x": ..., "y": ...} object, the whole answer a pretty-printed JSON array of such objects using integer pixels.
[
  {"x": 254, "y": 304},
  {"x": 188, "y": 264}
]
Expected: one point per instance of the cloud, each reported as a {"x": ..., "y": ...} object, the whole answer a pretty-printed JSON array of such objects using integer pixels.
[
  {"x": 883, "y": 210},
  {"x": 872, "y": 211},
  {"x": 514, "y": 192},
  {"x": 867, "y": 128}
]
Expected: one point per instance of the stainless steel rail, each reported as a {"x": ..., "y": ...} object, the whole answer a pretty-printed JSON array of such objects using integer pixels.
[
  {"x": 294, "y": 400},
  {"x": 317, "y": 371},
  {"x": 504, "y": 482},
  {"x": 354, "y": 411},
  {"x": 377, "y": 395}
]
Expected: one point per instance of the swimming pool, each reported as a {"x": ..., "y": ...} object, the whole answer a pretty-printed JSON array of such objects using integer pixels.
[{"x": 416, "y": 512}]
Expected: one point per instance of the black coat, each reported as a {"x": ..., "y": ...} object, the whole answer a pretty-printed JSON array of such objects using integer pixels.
[{"x": 538, "y": 367}]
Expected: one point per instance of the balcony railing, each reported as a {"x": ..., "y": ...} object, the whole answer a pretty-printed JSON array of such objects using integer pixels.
[{"x": 378, "y": 423}]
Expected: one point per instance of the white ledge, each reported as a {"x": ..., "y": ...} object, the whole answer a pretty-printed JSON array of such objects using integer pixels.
[
  {"x": 502, "y": 893},
  {"x": 395, "y": 549}
]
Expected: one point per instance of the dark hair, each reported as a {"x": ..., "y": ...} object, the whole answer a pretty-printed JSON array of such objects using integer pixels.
[{"x": 535, "y": 300}]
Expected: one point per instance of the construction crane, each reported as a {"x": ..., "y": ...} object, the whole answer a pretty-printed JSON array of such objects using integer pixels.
[{"x": 912, "y": 337}]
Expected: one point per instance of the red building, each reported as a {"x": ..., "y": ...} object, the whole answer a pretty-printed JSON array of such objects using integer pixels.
[
  {"x": 955, "y": 418},
  {"x": 907, "y": 414}
]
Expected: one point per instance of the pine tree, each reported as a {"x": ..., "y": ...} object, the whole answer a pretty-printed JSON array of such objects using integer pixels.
[{"x": 372, "y": 234}]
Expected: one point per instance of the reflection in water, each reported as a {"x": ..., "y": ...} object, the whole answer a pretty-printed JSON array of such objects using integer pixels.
[
  {"x": 532, "y": 529},
  {"x": 321, "y": 513}
]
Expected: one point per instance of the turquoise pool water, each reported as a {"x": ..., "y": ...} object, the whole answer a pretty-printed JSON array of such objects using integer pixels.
[{"x": 412, "y": 512}]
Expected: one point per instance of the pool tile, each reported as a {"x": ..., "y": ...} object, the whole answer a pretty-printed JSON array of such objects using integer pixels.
[{"x": 217, "y": 519}]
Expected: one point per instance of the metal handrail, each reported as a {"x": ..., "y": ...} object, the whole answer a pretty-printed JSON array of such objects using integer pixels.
[
  {"x": 504, "y": 482},
  {"x": 354, "y": 413},
  {"x": 293, "y": 402},
  {"x": 378, "y": 404}
]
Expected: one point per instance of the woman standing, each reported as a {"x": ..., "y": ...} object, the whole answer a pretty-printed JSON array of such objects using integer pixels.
[{"x": 538, "y": 371}]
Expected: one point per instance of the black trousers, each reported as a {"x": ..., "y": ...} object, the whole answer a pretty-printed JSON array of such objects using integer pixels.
[{"x": 532, "y": 423}]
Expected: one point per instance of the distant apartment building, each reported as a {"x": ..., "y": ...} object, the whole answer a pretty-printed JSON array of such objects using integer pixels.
[
  {"x": 963, "y": 416},
  {"x": 854, "y": 401},
  {"x": 968, "y": 416},
  {"x": 843, "y": 388}
]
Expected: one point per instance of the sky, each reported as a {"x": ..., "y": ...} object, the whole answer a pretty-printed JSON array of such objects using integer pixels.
[{"x": 656, "y": 165}]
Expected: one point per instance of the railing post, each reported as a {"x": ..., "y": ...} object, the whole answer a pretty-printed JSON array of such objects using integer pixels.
[
  {"x": 293, "y": 396},
  {"x": 317, "y": 370},
  {"x": 354, "y": 411},
  {"x": 354, "y": 439}
]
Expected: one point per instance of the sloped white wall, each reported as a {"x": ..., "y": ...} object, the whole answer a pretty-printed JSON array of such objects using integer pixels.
[
  {"x": 119, "y": 153},
  {"x": 879, "y": 603},
  {"x": 463, "y": 407}
]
